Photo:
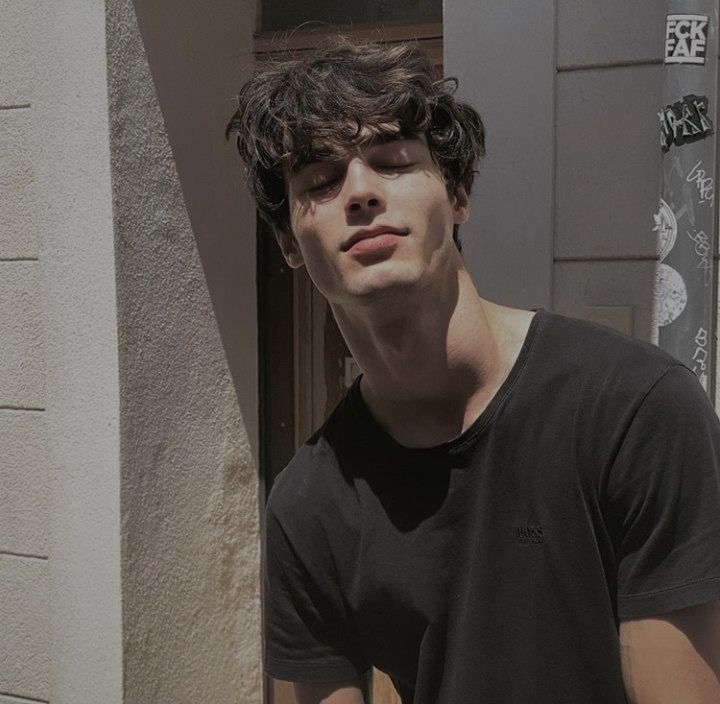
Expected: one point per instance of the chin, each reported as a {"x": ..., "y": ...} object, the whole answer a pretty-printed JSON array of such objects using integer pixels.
[{"x": 384, "y": 283}]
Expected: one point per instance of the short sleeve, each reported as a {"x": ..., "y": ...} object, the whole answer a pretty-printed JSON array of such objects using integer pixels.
[
  {"x": 306, "y": 632},
  {"x": 664, "y": 491}
]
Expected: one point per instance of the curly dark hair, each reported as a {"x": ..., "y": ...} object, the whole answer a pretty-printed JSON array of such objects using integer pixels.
[{"x": 313, "y": 107}]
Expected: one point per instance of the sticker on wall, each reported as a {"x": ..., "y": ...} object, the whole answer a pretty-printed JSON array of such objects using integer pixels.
[
  {"x": 670, "y": 295},
  {"x": 684, "y": 121},
  {"x": 666, "y": 227},
  {"x": 686, "y": 39}
]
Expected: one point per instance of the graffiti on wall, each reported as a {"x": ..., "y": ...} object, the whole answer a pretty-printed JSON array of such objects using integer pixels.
[
  {"x": 700, "y": 356},
  {"x": 703, "y": 250},
  {"x": 705, "y": 184}
]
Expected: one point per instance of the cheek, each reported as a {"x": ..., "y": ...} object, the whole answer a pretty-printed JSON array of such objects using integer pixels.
[
  {"x": 314, "y": 238},
  {"x": 312, "y": 235},
  {"x": 435, "y": 207},
  {"x": 439, "y": 224},
  {"x": 428, "y": 193}
]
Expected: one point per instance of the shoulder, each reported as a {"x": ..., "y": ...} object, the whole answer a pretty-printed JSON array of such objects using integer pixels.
[
  {"x": 313, "y": 481},
  {"x": 314, "y": 507},
  {"x": 598, "y": 359},
  {"x": 593, "y": 383},
  {"x": 602, "y": 342},
  {"x": 302, "y": 487}
]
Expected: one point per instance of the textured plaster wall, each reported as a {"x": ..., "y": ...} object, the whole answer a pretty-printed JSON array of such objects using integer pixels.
[
  {"x": 69, "y": 138},
  {"x": 186, "y": 302}
]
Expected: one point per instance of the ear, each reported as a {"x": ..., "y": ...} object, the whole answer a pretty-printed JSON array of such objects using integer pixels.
[
  {"x": 289, "y": 247},
  {"x": 461, "y": 205}
]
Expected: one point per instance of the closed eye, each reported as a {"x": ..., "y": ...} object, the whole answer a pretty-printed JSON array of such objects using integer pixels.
[
  {"x": 393, "y": 167},
  {"x": 323, "y": 185}
]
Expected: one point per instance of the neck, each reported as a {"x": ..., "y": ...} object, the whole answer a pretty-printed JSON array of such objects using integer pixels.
[{"x": 429, "y": 361}]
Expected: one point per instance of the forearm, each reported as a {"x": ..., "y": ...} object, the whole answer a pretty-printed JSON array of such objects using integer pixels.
[
  {"x": 673, "y": 658},
  {"x": 328, "y": 693}
]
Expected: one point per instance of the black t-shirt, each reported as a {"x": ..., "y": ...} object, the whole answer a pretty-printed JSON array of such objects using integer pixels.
[{"x": 496, "y": 567}]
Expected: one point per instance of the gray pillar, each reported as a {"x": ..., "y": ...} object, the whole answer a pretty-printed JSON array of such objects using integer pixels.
[
  {"x": 686, "y": 220},
  {"x": 504, "y": 55}
]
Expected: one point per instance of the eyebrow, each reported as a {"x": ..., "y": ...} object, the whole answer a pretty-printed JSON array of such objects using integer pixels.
[
  {"x": 374, "y": 140},
  {"x": 385, "y": 137}
]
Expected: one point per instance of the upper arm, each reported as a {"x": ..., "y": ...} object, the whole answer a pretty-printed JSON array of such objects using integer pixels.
[
  {"x": 674, "y": 657},
  {"x": 661, "y": 500},
  {"x": 308, "y": 633},
  {"x": 328, "y": 693}
]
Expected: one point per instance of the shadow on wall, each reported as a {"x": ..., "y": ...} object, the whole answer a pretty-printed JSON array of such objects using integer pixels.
[
  {"x": 186, "y": 301},
  {"x": 197, "y": 63}
]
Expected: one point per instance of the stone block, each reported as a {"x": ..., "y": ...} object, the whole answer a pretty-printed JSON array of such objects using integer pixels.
[
  {"x": 18, "y": 20},
  {"x": 580, "y": 288},
  {"x": 25, "y": 627},
  {"x": 608, "y": 162},
  {"x": 24, "y": 478},
  {"x": 591, "y": 32},
  {"x": 18, "y": 201},
  {"x": 22, "y": 363}
]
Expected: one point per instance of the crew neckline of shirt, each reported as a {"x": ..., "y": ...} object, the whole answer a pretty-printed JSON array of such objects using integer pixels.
[{"x": 466, "y": 438}]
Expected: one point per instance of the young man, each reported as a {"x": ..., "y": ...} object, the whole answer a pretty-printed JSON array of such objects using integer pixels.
[{"x": 508, "y": 506}]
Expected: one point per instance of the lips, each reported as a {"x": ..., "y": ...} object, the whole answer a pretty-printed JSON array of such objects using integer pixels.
[{"x": 369, "y": 232}]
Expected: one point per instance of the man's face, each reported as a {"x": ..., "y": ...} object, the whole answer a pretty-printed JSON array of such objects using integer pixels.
[{"x": 373, "y": 221}]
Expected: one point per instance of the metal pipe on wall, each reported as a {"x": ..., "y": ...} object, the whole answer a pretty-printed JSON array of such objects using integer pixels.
[{"x": 686, "y": 221}]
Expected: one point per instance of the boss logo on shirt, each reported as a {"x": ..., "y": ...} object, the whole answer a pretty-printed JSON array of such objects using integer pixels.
[
  {"x": 529, "y": 533},
  {"x": 686, "y": 39}
]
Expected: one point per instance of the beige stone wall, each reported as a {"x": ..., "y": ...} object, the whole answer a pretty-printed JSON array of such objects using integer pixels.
[
  {"x": 59, "y": 450},
  {"x": 69, "y": 144},
  {"x": 24, "y": 476}
]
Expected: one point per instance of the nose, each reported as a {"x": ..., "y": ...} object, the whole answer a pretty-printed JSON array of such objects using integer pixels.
[{"x": 363, "y": 189}]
